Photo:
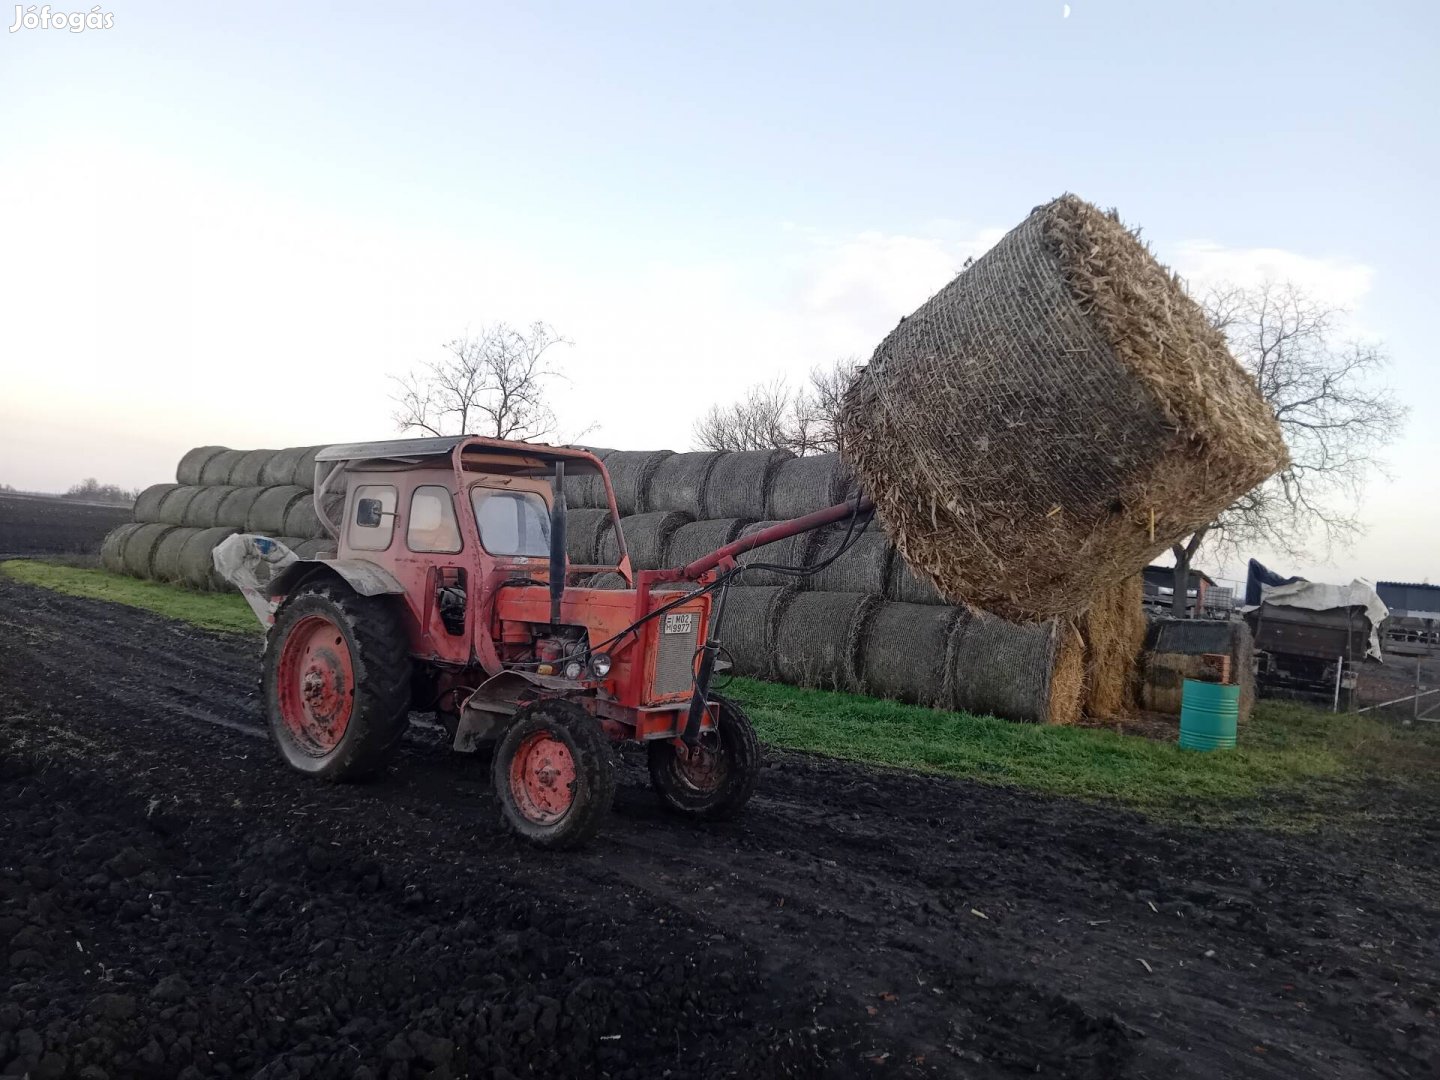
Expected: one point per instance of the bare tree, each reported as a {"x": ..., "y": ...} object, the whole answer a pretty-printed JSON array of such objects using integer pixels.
[
  {"x": 772, "y": 416},
  {"x": 1335, "y": 418},
  {"x": 493, "y": 383},
  {"x": 91, "y": 490}
]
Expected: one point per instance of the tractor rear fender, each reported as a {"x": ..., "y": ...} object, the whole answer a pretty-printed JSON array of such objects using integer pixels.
[{"x": 365, "y": 577}]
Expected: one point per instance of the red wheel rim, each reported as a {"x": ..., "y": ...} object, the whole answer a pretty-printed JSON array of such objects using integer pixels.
[
  {"x": 702, "y": 767},
  {"x": 317, "y": 685},
  {"x": 542, "y": 778}
]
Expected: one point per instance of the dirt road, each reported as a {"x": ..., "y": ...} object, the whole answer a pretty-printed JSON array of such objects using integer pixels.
[{"x": 174, "y": 903}]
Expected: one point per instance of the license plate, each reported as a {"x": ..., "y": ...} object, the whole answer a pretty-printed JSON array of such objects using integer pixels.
[{"x": 682, "y": 623}]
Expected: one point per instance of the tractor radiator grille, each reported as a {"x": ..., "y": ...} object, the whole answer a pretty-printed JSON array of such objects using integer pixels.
[{"x": 679, "y": 634}]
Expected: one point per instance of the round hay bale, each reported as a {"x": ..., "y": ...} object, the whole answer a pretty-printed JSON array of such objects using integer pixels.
[
  {"x": 304, "y": 473},
  {"x": 679, "y": 482},
  {"x": 140, "y": 549},
  {"x": 903, "y": 586},
  {"x": 864, "y": 567},
  {"x": 738, "y": 484},
  {"x": 149, "y": 501},
  {"x": 175, "y": 508},
  {"x": 165, "y": 562},
  {"x": 817, "y": 642},
  {"x": 747, "y": 631},
  {"x": 1053, "y": 418},
  {"x": 268, "y": 512},
  {"x": 247, "y": 470},
  {"x": 197, "y": 568},
  {"x": 112, "y": 548},
  {"x": 630, "y": 472},
  {"x": 797, "y": 550},
  {"x": 583, "y": 530},
  {"x": 192, "y": 465},
  {"x": 1113, "y": 632},
  {"x": 904, "y": 653},
  {"x": 280, "y": 469},
  {"x": 236, "y": 507},
  {"x": 316, "y": 547},
  {"x": 803, "y": 485},
  {"x": 607, "y": 580},
  {"x": 201, "y": 511},
  {"x": 1173, "y": 648},
  {"x": 302, "y": 520},
  {"x": 700, "y": 538},
  {"x": 1032, "y": 672},
  {"x": 646, "y": 536},
  {"x": 587, "y": 492},
  {"x": 217, "y": 469}
]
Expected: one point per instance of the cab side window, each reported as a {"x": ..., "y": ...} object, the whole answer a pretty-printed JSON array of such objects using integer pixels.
[
  {"x": 372, "y": 517},
  {"x": 432, "y": 525}
]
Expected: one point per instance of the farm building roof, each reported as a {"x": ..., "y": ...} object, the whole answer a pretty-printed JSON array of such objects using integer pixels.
[{"x": 1410, "y": 598}]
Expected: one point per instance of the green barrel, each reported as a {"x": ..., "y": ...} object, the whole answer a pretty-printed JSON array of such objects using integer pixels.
[{"x": 1208, "y": 714}]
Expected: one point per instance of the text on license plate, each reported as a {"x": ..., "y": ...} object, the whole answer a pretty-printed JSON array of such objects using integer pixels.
[{"x": 680, "y": 623}]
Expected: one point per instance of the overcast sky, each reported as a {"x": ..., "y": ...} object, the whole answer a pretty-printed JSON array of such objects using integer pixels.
[{"x": 228, "y": 223}]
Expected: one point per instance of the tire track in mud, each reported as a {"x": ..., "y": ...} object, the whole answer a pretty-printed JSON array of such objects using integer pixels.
[{"x": 845, "y": 893}]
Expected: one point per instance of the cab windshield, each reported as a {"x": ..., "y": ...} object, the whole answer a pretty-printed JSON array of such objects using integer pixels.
[{"x": 512, "y": 522}]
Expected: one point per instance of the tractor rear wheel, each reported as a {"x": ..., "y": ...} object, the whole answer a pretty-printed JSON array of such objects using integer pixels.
[
  {"x": 553, "y": 775},
  {"x": 714, "y": 779},
  {"x": 336, "y": 682}
]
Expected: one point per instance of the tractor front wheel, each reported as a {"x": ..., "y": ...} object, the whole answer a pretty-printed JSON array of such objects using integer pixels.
[
  {"x": 553, "y": 775},
  {"x": 336, "y": 682},
  {"x": 715, "y": 778}
]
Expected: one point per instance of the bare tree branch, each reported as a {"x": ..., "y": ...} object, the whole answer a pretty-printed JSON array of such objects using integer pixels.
[
  {"x": 491, "y": 383},
  {"x": 771, "y": 416}
]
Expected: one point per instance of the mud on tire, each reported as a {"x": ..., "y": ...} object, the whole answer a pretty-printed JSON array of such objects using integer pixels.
[
  {"x": 553, "y": 775},
  {"x": 336, "y": 682},
  {"x": 719, "y": 784}
]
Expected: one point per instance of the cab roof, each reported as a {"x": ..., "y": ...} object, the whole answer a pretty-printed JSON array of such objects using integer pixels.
[{"x": 519, "y": 456}]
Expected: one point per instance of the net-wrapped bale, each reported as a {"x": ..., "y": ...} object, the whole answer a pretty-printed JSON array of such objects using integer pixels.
[
  {"x": 269, "y": 511},
  {"x": 679, "y": 482},
  {"x": 1053, "y": 418},
  {"x": 608, "y": 579},
  {"x": 1113, "y": 630},
  {"x": 201, "y": 512},
  {"x": 247, "y": 470},
  {"x": 863, "y": 567},
  {"x": 315, "y": 547},
  {"x": 197, "y": 568},
  {"x": 1173, "y": 648},
  {"x": 583, "y": 530},
  {"x": 738, "y": 483},
  {"x": 140, "y": 549},
  {"x": 630, "y": 472},
  {"x": 803, "y": 485},
  {"x": 698, "y": 538},
  {"x": 175, "y": 508},
  {"x": 904, "y": 653},
  {"x": 165, "y": 562},
  {"x": 1032, "y": 672},
  {"x": 817, "y": 642},
  {"x": 586, "y": 491},
  {"x": 906, "y": 587},
  {"x": 148, "y": 502},
  {"x": 302, "y": 520},
  {"x": 280, "y": 469},
  {"x": 112, "y": 548},
  {"x": 304, "y": 474},
  {"x": 236, "y": 507},
  {"x": 217, "y": 469},
  {"x": 797, "y": 550},
  {"x": 646, "y": 537},
  {"x": 192, "y": 464},
  {"x": 747, "y": 631}
]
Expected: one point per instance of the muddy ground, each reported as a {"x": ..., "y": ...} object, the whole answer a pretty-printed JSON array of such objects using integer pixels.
[
  {"x": 174, "y": 903},
  {"x": 48, "y": 525}
]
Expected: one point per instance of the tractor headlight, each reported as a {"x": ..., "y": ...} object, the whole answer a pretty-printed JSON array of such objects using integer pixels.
[
  {"x": 573, "y": 669},
  {"x": 600, "y": 664}
]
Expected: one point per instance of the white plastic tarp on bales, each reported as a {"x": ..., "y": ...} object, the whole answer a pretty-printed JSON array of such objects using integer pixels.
[{"x": 1318, "y": 596}]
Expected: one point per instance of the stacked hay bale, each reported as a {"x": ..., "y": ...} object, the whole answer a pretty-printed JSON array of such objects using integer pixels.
[{"x": 219, "y": 492}]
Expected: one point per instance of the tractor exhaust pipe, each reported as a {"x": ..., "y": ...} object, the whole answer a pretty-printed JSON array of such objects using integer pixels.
[{"x": 557, "y": 543}]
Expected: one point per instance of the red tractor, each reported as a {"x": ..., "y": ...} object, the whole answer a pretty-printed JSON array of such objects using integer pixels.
[{"x": 450, "y": 591}]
